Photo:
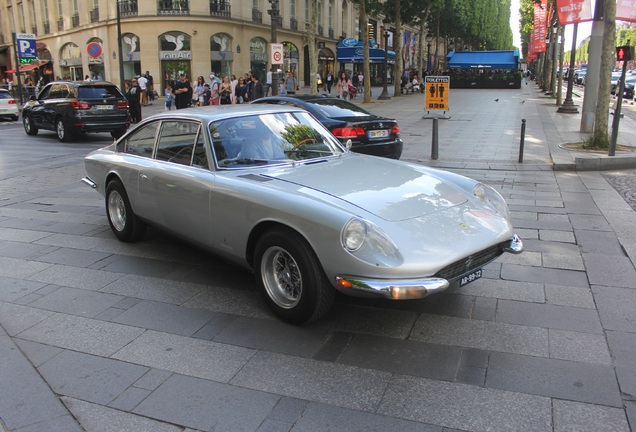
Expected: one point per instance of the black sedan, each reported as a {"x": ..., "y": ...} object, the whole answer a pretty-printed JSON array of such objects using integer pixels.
[{"x": 369, "y": 134}]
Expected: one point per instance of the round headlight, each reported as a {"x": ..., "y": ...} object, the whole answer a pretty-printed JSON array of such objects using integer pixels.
[{"x": 353, "y": 235}]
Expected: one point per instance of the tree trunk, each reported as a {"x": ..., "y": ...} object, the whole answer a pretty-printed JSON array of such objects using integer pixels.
[
  {"x": 601, "y": 124},
  {"x": 397, "y": 44},
  {"x": 311, "y": 47},
  {"x": 366, "y": 68}
]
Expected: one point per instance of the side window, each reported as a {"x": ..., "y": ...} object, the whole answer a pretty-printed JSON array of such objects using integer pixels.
[
  {"x": 142, "y": 141},
  {"x": 176, "y": 141},
  {"x": 200, "y": 156},
  {"x": 57, "y": 91},
  {"x": 45, "y": 92}
]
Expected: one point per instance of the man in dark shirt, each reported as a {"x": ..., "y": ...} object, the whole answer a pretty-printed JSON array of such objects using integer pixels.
[
  {"x": 258, "y": 91},
  {"x": 183, "y": 92}
]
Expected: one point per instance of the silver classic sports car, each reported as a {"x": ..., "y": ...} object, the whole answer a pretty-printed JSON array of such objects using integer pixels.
[{"x": 271, "y": 189}]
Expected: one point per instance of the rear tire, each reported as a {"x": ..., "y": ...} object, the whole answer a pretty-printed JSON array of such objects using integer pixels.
[
  {"x": 29, "y": 127},
  {"x": 290, "y": 277},
  {"x": 126, "y": 226},
  {"x": 63, "y": 131}
]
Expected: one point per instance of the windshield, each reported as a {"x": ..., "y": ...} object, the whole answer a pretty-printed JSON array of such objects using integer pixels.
[{"x": 271, "y": 139}]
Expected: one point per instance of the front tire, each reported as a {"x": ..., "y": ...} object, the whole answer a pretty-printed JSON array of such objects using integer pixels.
[
  {"x": 123, "y": 222},
  {"x": 29, "y": 127},
  {"x": 64, "y": 133},
  {"x": 290, "y": 277}
]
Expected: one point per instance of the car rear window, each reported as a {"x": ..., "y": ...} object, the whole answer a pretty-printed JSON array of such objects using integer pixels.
[
  {"x": 336, "y": 108},
  {"x": 5, "y": 95},
  {"x": 99, "y": 92}
]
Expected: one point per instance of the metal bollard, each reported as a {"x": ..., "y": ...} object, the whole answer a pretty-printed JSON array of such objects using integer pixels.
[
  {"x": 523, "y": 138},
  {"x": 435, "y": 143}
]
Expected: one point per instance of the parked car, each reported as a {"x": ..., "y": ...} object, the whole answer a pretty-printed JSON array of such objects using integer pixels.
[
  {"x": 8, "y": 106},
  {"x": 271, "y": 189},
  {"x": 70, "y": 108},
  {"x": 579, "y": 76},
  {"x": 369, "y": 134},
  {"x": 628, "y": 91},
  {"x": 615, "y": 77}
]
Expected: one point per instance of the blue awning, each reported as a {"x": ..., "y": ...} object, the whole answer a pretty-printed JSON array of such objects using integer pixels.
[
  {"x": 356, "y": 55},
  {"x": 483, "y": 60}
]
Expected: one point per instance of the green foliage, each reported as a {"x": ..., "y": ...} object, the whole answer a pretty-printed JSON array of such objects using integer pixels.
[{"x": 298, "y": 133}]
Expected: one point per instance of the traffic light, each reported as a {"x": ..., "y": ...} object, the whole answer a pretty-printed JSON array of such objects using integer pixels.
[{"x": 624, "y": 53}]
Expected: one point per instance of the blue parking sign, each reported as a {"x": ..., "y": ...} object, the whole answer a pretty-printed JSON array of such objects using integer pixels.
[{"x": 26, "y": 46}]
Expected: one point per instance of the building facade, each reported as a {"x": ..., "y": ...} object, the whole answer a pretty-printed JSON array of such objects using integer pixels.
[{"x": 79, "y": 38}]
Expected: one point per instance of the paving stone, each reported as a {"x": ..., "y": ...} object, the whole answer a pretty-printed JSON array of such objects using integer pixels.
[
  {"x": 549, "y": 316},
  {"x": 207, "y": 405},
  {"x": 597, "y": 242},
  {"x": 19, "y": 268},
  {"x": 400, "y": 356},
  {"x": 336, "y": 384},
  {"x": 526, "y": 258},
  {"x": 164, "y": 317},
  {"x": 550, "y": 247},
  {"x": 580, "y": 417},
  {"x": 141, "y": 266},
  {"x": 187, "y": 356},
  {"x": 26, "y": 399},
  {"x": 569, "y": 296},
  {"x": 274, "y": 336},
  {"x": 622, "y": 345},
  {"x": 583, "y": 347},
  {"x": 149, "y": 288},
  {"x": 484, "y": 309},
  {"x": 583, "y": 382},
  {"x": 557, "y": 236},
  {"x": 37, "y": 353},
  {"x": 630, "y": 410},
  {"x": 12, "y": 289},
  {"x": 16, "y": 318},
  {"x": 445, "y": 303},
  {"x": 152, "y": 379},
  {"x": 75, "y": 301},
  {"x": 288, "y": 409},
  {"x": 73, "y": 257},
  {"x": 129, "y": 399},
  {"x": 81, "y": 334},
  {"x": 214, "y": 326},
  {"x": 20, "y": 250},
  {"x": 232, "y": 301},
  {"x": 567, "y": 262},
  {"x": 90, "y": 378},
  {"x": 464, "y": 407},
  {"x": 491, "y": 336},
  {"x": 326, "y": 417},
  {"x": 609, "y": 270},
  {"x": 544, "y": 275},
  {"x": 95, "y": 417},
  {"x": 75, "y": 277},
  {"x": 616, "y": 307},
  {"x": 589, "y": 222},
  {"x": 333, "y": 346},
  {"x": 22, "y": 235}
]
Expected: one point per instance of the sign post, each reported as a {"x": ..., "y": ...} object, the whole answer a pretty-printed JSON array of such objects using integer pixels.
[
  {"x": 436, "y": 95},
  {"x": 24, "y": 48}
]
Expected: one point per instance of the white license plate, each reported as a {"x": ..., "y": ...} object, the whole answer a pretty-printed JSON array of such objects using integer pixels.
[
  {"x": 383, "y": 133},
  {"x": 105, "y": 107},
  {"x": 470, "y": 277}
]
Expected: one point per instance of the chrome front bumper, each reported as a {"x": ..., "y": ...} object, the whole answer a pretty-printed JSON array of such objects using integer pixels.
[
  {"x": 407, "y": 289},
  {"x": 88, "y": 181}
]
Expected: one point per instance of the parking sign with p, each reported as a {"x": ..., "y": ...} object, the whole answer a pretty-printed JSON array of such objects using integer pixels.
[{"x": 26, "y": 45}]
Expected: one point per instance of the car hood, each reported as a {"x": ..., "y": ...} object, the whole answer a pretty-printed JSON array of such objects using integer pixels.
[{"x": 389, "y": 189}]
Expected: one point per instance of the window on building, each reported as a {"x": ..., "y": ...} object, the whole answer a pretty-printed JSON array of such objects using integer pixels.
[{"x": 292, "y": 8}]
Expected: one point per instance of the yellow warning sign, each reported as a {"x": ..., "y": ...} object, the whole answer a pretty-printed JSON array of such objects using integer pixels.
[{"x": 436, "y": 91}]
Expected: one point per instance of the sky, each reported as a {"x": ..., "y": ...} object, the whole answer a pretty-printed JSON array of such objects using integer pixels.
[{"x": 583, "y": 31}]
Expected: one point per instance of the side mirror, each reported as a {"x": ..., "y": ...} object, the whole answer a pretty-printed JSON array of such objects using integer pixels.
[{"x": 348, "y": 145}]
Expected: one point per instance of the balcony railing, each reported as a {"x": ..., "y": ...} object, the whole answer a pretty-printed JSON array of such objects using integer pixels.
[
  {"x": 60, "y": 24},
  {"x": 127, "y": 8},
  {"x": 47, "y": 27},
  {"x": 331, "y": 32},
  {"x": 34, "y": 29},
  {"x": 75, "y": 19},
  {"x": 293, "y": 23},
  {"x": 95, "y": 15},
  {"x": 257, "y": 16},
  {"x": 220, "y": 8},
  {"x": 173, "y": 7},
  {"x": 320, "y": 29}
]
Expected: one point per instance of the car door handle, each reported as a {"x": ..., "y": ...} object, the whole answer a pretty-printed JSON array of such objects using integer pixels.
[{"x": 143, "y": 176}]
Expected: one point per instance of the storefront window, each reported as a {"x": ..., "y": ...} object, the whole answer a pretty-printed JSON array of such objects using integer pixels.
[
  {"x": 71, "y": 62},
  {"x": 258, "y": 57},
  {"x": 175, "y": 56},
  {"x": 221, "y": 55},
  {"x": 130, "y": 48}
]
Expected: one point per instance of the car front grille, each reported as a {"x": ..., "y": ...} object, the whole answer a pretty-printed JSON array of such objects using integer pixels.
[{"x": 471, "y": 262}]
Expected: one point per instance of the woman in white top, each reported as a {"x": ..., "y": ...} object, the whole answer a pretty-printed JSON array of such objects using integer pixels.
[
  {"x": 233, "y": 83},
  {"x": 343, "y": 85}
]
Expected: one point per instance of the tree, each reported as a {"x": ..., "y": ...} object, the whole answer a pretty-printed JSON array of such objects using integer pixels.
[{"x": 311, "y": 47}]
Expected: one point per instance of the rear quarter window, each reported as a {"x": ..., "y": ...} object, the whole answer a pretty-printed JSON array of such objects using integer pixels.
[{"x": 99, "y": 92}]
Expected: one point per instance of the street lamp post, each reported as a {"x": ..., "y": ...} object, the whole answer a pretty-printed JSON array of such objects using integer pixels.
[
  {"x": 429, "y": 39},
  {"x": 568, "y": 106},
  {"x": 273, "y": 12},
  {"x": 385, "y": 93},
  {"x": 120, "y": 60}
]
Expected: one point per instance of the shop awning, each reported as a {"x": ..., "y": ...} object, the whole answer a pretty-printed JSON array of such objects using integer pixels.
[
  {"x": 483, "y": 59},
  {"x": 27, "y": 68},
  {"x": 356, "y": 55}
]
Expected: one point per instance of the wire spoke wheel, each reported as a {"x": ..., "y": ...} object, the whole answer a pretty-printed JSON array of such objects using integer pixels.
[
  {"x": 117, "y": 210},
  {"x": 281, "y": 277}
]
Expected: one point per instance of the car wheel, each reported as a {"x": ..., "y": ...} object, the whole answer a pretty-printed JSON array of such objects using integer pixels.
[
  {"x": 125, "y": 224},
  {"x": 64, "y": 133},
  {"x": 29, "y": 127},
  {"x": 290, "y": 277}
]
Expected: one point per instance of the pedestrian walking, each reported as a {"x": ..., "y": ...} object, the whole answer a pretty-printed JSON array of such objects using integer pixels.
[
  {"x": 169, "y": 97},
  {"x": 329, "y": 80},
  {"x": 150, "y": 87},
  {"x": 143, "y": 87},
  {"x": 343, "y": 85},
  {"x": 182, "y": 91},
  {"x": 290, "y": 84},
  {"x": 257, "y": 89},
  {"x": 133, "y": 96}
]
